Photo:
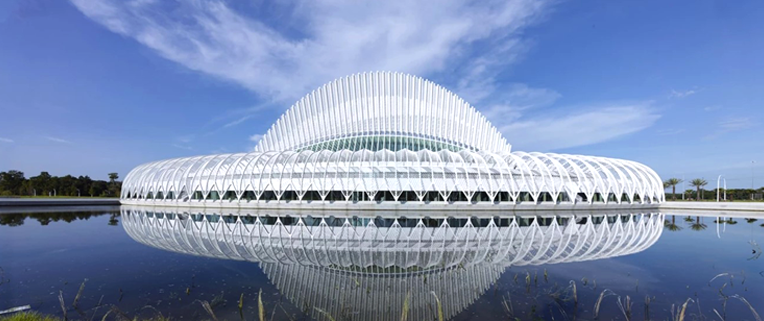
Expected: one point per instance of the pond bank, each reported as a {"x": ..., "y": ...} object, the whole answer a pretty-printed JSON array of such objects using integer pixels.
[
  {"x": 57, "y": 201},
  {"x": 684, "y": 206},
  {"x": 715, "y": 206}
]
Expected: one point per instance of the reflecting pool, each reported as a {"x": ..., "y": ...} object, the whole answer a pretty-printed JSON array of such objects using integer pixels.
[{"x": 192, "y": 264}]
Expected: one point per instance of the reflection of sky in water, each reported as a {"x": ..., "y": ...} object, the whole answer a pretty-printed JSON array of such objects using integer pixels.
[{"x": 40, "y": 260}]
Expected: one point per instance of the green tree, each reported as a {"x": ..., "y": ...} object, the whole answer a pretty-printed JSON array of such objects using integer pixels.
[
  {"x": 99, "y": 188},
  {"x": 83, "y": 184},
  {"x": 698, "y": 183},
  {"x": 12, "y": 182},
  {"x": 42, "y": 183},
  {"x": 113, "y": 183},
  {"x": 673, "y": 182}
]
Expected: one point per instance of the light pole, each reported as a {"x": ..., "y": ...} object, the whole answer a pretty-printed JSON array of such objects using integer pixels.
[{"x": 752, "y": 190}]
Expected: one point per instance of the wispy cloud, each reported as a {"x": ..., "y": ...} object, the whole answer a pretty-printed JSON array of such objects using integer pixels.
[
  {"x": 731, "y": 125},
  {"x": 670, "y": 131},
  {"x": 237, "y": 121},
  {"x": 255, "y": 138},
  {"x": 712, "y": 108},
  {"x": 285, "y": 60},
  {"x": 517, "y": 99},
  {"x": 736, "y": 124},
  {"x": 185, "y": 139},
  {"x": 184, "y": 142},
  {"x": 234, "y": 117},
  {"x": 182, "y": 146},
  {"x": 6, "y": 140},
  {"x": 57, "y": 139},
  {"x": 580, "y": 128},
  {"x": 462, "y": 44},
  {"x": 681, "y": 94}
]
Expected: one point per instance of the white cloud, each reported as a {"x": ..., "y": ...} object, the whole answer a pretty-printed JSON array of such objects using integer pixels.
[
  {"x": 255, "y": 138},
  {"x": 462, "y": 44},
  {"x": 181, "y": 146},
  {"x": 185, "y": 139},
  {"x": 731, "y": 125},
  {"x": 735, "y": 124},
  {"x": 578, "y": 128},
  {"x": 513, "y": 100},
  {"x": 57, "y": 140},
  {"x": 6, "y": 140},
  {"x": 670, "y": 131},
  {"x": 681, "y": 94},
  {"x": 323, "y": 39}
]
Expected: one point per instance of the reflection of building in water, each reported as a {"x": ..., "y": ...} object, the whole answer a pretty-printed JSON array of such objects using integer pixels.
[
  {"x": 380, "y": 296},
  {"x": 365, "y": 268}
]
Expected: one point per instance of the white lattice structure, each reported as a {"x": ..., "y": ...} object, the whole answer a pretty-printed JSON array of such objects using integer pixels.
[
  {"x": 374, "y": 263},
  {"x": 387, "y": 137},
  {"x": 382, "y": 110}
]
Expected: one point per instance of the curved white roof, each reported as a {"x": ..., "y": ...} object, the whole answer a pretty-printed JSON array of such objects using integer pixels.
[
  {"x": 382, "y": 110},
  {"x": 231, "y": 176}
]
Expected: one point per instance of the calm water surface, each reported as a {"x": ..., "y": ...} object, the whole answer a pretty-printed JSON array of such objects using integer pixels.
[{"x": 551, "y": 266}]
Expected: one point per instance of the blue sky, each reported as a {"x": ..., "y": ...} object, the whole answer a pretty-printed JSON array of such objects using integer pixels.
[{"x": 89, "y": 87}]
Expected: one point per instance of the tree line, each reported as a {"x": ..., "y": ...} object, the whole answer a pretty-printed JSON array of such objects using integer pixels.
[
  {"x": 700, "y": 193},
  {"x": 13, "y": 183}
]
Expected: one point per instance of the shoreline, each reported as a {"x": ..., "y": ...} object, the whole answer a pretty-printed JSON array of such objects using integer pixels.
[
  {"x": 13, "y": 202},
  {"x": 425, "y": 208}
]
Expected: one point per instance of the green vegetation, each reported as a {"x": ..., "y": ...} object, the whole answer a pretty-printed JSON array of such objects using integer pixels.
[
  {"x": 567, "y": 302},
  {"x": 702, "y": 194},
  {"x": 28, "y": 316},
  {"x": 13, "y": 183},
  {"x": 34, "y": 316},
  {"x": 672, "y": 182},
  {"x": 698, "y": 183}
]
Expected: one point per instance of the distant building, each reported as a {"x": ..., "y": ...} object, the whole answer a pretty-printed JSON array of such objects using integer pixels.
[{"x": 387, "y": 137}]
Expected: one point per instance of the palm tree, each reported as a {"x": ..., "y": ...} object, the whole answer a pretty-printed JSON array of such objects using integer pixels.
[
  {"x": 671, "y": 226},
  {"x": 673, "y": 182},
  {"x": 112, "y": 182},
  {"x": 698, "y": 226},
  {"x": 698, "y": 183}
]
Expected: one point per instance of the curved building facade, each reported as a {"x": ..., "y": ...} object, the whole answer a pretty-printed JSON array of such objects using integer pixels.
[{"x": 387, "y": 137}]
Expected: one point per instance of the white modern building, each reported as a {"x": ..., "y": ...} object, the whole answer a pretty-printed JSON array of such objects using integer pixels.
[{"x": 387, "y": 138}]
